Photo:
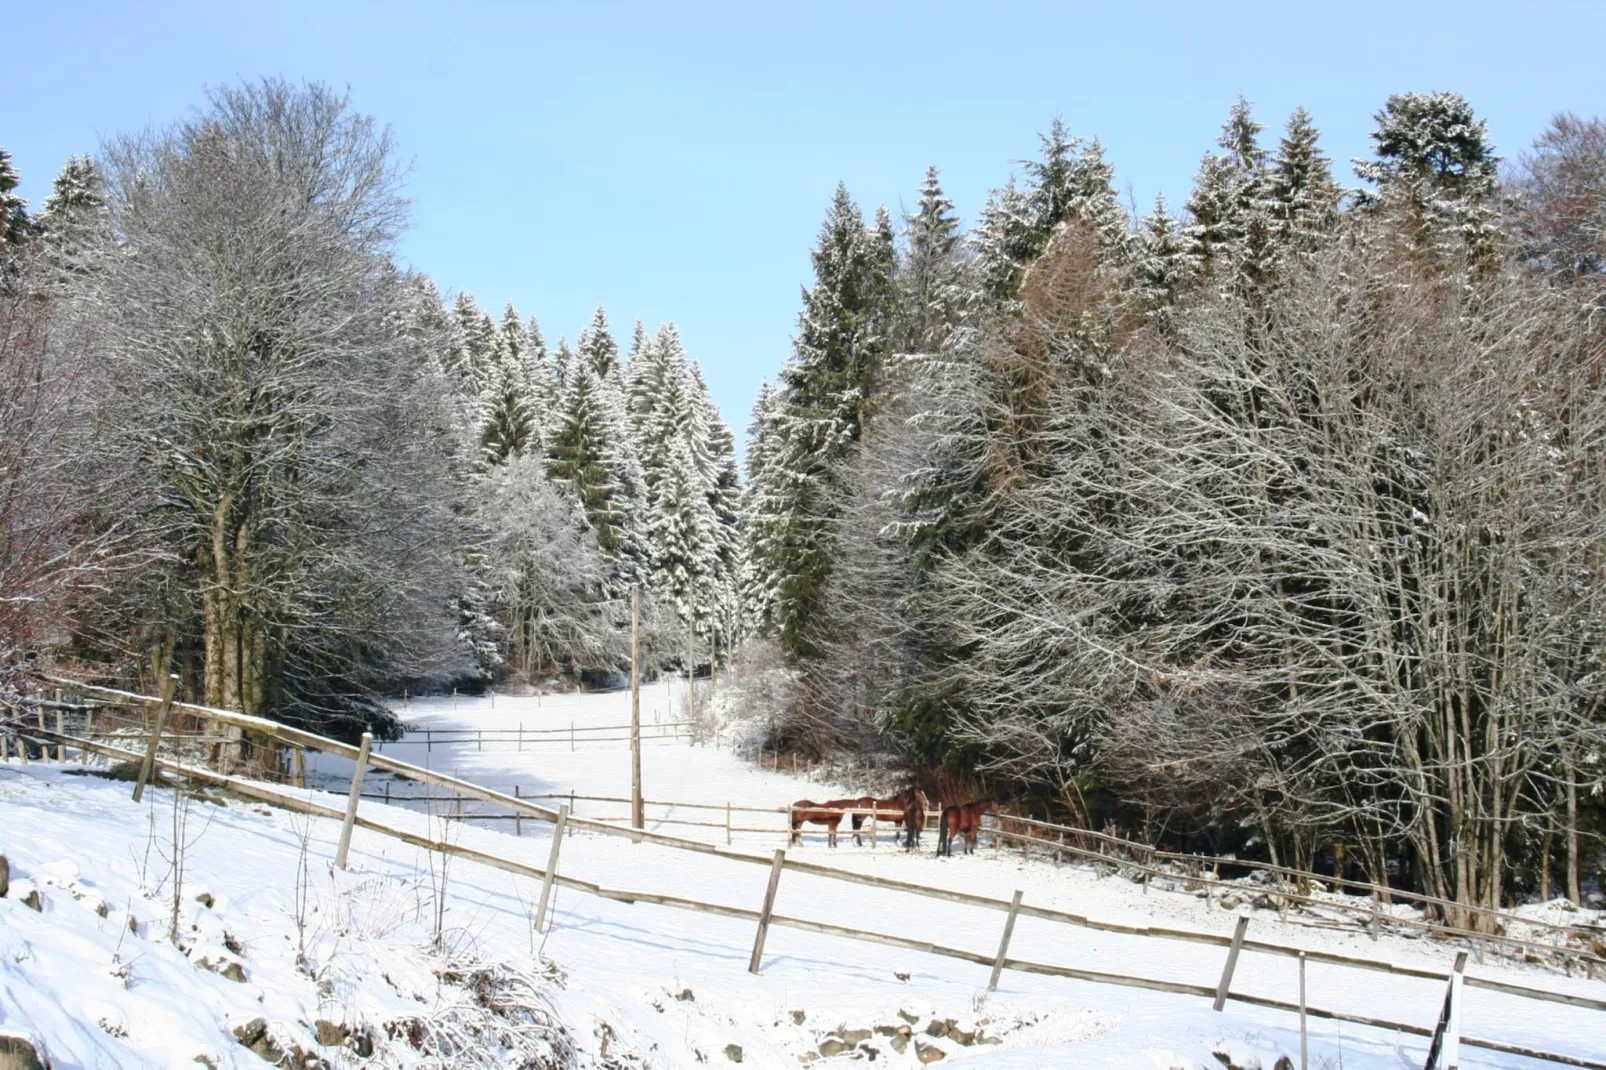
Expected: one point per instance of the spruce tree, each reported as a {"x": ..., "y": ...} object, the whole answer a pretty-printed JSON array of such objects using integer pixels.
[
  {"x": 1230, "y": 233},
  {"x": 74, "y": 221},
  {"x": 764, "y": 513},
  {"x": 597, "y": 345},
  {"x": 829, "y": 391},
  {"x": 15, "y": 227},
  {"x": 930, "y": 279},
  {"x": 998, "y": 238},
  {"x": 1435, "y": 163},
  {"x": 1303, "y": 194},
  {"x": 1161, "y": 268},
  {"x": 582, "y": 455}
]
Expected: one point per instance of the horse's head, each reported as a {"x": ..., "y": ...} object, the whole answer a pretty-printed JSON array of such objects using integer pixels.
[
  {"x": 921, "y": 800},
  {"x": 991, "y": 807}
]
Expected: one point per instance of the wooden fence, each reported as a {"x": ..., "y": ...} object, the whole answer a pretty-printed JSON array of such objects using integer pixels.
[{"x": 778, "y": 864}]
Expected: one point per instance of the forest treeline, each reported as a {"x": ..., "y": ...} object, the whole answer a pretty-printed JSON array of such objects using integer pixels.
[
  {"x": 240, "y": 444},
  {"x": 1276, "y": 521}
]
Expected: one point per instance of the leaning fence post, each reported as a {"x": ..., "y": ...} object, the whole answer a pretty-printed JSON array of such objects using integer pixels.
[
  {"x": 1003, "y": 945},
  {"x": 1447, "y": 1034},
  {"x": 769, "y": 907},
  {"x": 148, "y": 766},
  {"x": 551, "y": 873},
  {"x": 1232, "y": 962},
  {"x": 351, "y": 803}
]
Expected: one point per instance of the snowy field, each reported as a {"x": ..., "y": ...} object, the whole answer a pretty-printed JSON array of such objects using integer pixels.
[{"x": 641, "y": 985}]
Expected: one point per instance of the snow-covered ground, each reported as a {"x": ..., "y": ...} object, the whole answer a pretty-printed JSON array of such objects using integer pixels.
[{"x": 641, "y": 985}]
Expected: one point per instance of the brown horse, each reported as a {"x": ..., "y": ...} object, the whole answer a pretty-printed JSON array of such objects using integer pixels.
[
  {"x": 914, "y": 816},
  {"x": 889, "y": 811},
  {"x": 829, "y": 814},
  {"x": 964, "y": 820}
]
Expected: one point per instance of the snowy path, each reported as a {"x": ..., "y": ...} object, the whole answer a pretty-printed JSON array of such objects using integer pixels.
[{"x": 625, "y": 963}]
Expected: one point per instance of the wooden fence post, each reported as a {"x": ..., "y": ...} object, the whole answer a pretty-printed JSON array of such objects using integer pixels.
[
  {"x": 1003, "y": 945},
  {"x": 148, "y": 766},
  {"x": 1304, "y": 1048},
  {"x": 727, "y": 823},
  {"x": 551, "y": 873},
  {"x": 1447, "y": 1034},
  {"x": 61, "y": 729},
  {"x": 1377, "y": 911},
  {"x": 298, "y": 756},
  {"x": 1232, "y": 962},
  {"x": 351, "y": 803},
  {"x": 518, "y": 818},
  {"x": 769, "y": 908},
  {"x": 39, "y": 710}
]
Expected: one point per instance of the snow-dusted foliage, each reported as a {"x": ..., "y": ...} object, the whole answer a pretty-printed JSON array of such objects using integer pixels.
[{"x": 1278, "y": 521}]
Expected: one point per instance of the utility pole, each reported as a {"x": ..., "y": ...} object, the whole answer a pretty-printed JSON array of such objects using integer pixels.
[{"x": 636, "y": 815}]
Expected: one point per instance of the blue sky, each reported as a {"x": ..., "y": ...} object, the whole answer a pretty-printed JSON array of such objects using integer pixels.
[{"x": 673, "y": 161}]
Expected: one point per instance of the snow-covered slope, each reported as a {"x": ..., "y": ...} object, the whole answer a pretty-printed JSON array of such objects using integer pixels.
[{"x": 633, "y": 984}]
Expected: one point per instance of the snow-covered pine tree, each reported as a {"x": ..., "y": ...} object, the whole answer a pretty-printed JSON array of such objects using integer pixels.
[
  {"x": 473, "y": 340},
  {"x": 1303, "y": 194},
  {"x": 764, "y": 509},
  {"x": 999, "y": 234},
  {"x": 1161, "y": 268},
  {"x": 1094, "y": 201},
  {"x": 1434, "y": 161},
  {"x": 723, "y": 487},
  {"x": 1054, "y": 186},
  {"x": 1232, "y": 214},
  {"x": 930, "y": 278},
  {"x": 509, "y": 422},
  {"x": 597, "y": 345},
  {"x": 73, "y": 221},
  {"x": 678, "y": 524},
  {"x": 1230, "y": 235},
  {"x": 15, "y": 226},
  {"x": 583, "y": 456},
  {"x": 829, "y": 390}
]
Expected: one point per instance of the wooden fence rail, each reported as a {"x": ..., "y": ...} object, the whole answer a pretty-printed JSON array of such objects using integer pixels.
[{"x": 276, "y": 797}]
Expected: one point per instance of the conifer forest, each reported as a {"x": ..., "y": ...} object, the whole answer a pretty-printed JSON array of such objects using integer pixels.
[{"x": 1270, "y": 521}]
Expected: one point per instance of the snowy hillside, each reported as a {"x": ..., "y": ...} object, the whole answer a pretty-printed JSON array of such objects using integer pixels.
[{"x": 397, "y": 959}]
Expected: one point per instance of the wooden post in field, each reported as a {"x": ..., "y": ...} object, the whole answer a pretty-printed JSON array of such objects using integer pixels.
[
  {"x": 149, "y": 764},
  {"x": 298, "y": 756},
  {"x": 769, "y": 908},
  {"x": 351, "y": 802},
  {"x": 1304, "y": 1045},
  {"x": 637, "y": 816},
  {"x": 1377, "y": 910},
  {"x": 518, "y": 822},
  {"x": 1444, "y": 1053},
  {"x": 551, "y": 873},
  {"x": 39, "y": 711},
  {"x": 1003, "y": 945},
  {"x": 61, "y": 729},
  {"x": 727, "y": 823},
  {"x": 1232, "y": 962}
]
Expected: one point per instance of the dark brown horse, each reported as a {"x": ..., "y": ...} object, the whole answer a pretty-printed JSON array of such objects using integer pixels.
[
  {"x": 829, "y": 814},
  {"x": 914, "y": 816},
  {"x": 963, "y": 820},
  {"x": 893, "y": 810}
]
